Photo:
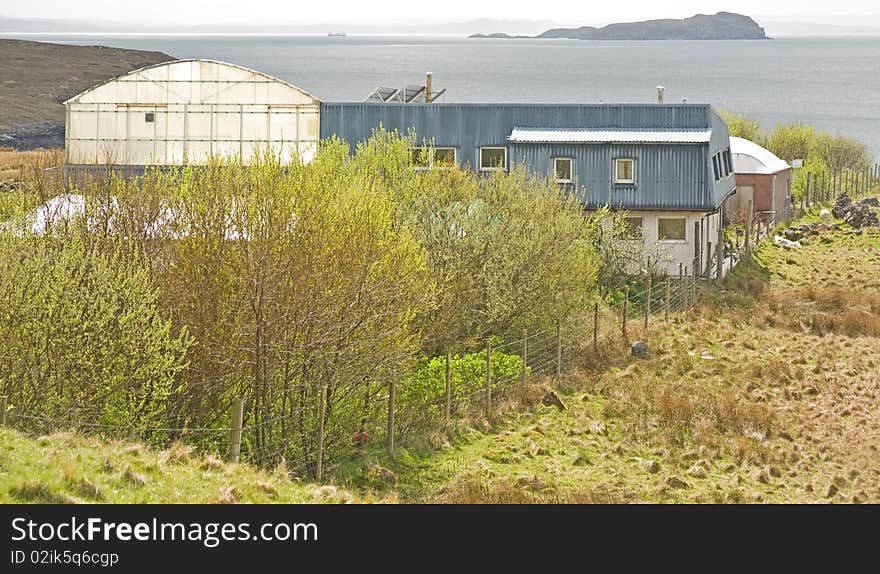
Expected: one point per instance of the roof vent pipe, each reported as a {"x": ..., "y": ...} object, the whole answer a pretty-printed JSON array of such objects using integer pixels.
[
  {"x": 428, "y": 82},
  {"x": 660, "y": 90}
]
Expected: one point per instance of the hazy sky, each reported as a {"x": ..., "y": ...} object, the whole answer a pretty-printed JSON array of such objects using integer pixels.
[{"x": 292, "y": 11}]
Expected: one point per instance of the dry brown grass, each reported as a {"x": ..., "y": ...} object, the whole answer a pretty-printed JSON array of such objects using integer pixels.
[
  {"x": 474, "y": 489},
  {"x": 21, "y": 165}
]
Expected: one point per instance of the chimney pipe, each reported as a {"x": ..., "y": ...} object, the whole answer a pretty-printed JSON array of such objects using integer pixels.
[
  {"x": 428, "y": 82},
  {"x": 660, "y": 90}
]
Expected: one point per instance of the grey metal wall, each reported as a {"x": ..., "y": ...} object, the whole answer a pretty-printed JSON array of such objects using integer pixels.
[{"x": 669, "y": 176}]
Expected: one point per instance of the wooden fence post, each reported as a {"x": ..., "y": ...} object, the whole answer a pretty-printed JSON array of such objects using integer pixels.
[
  {"x": 525, "y": 355},
  {"x": 489, "y": 380},
  {"x": 558, "y": 350},
  {"x": 807, "y": 190},
  {"x": 709, "y": 260},
  {"x": 684, "y": 289},
  {"x": 719, "y": 249},
  {"x": 596, "y": 329},
  {"x": 694, "y": 296},
  {"x": 625, "y": 310},
  {"x": 647, "y": 299},
  {"x": 322, "y": 413},
  {"x": 234, "y": 454},
  {"x": 749, "y": 227},
  {"x": 392, "y": 407},
  {"x": 666, "y": 303},
  {"x": 3, "y": 411},
  {"x": 448, "y": 411}
]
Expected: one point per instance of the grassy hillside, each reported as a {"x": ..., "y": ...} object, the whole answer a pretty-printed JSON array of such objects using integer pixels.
[
  {"x": 767, "y": 395},
  {"x": 36, "y": 77},
  {"x": 66, "y": 467}
]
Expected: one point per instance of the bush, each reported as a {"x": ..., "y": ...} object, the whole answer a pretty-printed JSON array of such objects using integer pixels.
[
  {"x": 82, "y": 330},
  {"x": 422, "y": 396}
]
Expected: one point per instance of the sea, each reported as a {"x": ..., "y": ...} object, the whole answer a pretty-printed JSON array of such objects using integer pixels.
[{"x": 832, "y": 83}]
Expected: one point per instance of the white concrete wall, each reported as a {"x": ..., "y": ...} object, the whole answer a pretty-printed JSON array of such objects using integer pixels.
[
  {"x": 670, "y": 254},
  {"x": 199, "y": 109}
]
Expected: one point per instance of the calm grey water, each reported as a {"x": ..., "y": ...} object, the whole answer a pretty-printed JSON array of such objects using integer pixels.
[{"x": 832, "y": 83}]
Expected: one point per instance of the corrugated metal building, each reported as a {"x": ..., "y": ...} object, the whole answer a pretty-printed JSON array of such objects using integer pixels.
[
  {"x": 671, "y": 173},
  {"x": 669, "y": 166}
]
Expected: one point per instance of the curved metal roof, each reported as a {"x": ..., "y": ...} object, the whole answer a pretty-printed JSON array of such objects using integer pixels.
[
  {"x": 749, "y": 157},
  {"x": 170, "y": 63}
]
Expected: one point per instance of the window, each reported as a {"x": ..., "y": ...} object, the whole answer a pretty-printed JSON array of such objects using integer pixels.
[
  {"x": 444, "y": 157},
  {"x": 716, "y": 167},
  {"x": 433, "y": 158},
  {"x": 728, "y": 160},
  {"x": 562, "y": 169},
  {"x": 669, "y": 229},
  {"x": 493, "y": 158},
  {"x": 149, "y": 117},
  {"x": 624, "y": 170},
  {"x": 632, "y": 228},
  {"x": 420, "y": 158}
]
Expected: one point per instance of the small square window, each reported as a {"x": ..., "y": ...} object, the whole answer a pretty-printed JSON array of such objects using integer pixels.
[
  {"x": 444, "y": 157},
  {"x": 624, "y": 170},
  {"x": 493, "y": 158},
  {"x": 150, "y": 117},
  {"x": 420, "y": 158},
  {"x": 669, "y": 229},
  {"x": 632, "y": 228},
  {"x": 562, "y": 169}
]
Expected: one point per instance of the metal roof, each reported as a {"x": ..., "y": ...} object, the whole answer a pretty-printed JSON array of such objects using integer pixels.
[
  {"x": 584, "y": 135},
  {"x": 749, "y": 157}
]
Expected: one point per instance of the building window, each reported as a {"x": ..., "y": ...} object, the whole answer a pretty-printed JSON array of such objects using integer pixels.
[
  {"x": 632, "y": 228},
  {"x": 493, "y": 158},
  {"x": 424, "y": 158},
  {"x": 150, "y": 117},
  {"x": 624, "y": 170},
  {"x": 444, "y": 157},
  {"x": 716, "y": 167},
  {"x": 562, "y": 169},
  {"x": 420, "y": 158},
  {"x": 728, "y": 161},
  {"x": 672, "y": 229}
]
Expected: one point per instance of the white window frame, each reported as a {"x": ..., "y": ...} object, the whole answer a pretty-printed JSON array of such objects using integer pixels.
[
  {"x": 570, "y": 170},
  {"x": 431, "y": 151},
  {"x": 480, "y": 158},
  {"x": 684, "y": 240},
  {"x": 641, "y": 236},
  {"x": 454, "y": 157},
  {"x": 617, "y": 180}
]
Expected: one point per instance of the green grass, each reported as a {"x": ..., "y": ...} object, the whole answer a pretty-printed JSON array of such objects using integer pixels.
[
  {"x": 70, "y": 468},
  {"x": 766, "y": 394}
]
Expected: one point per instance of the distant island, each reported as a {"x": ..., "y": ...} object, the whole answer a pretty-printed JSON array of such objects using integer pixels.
[{"x": 720, "y": 26}]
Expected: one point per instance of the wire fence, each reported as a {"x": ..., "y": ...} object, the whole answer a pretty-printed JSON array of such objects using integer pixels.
[
  {"x": 627, "y": 310},
  {"x": 623, "y": 313}
]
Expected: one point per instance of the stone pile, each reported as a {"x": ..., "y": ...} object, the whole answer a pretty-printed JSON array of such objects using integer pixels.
[
  {"x": 858, "y": 214},
  {"x": 798, "y": 232}
]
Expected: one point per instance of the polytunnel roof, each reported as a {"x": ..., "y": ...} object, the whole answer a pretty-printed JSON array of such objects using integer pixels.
[
  {"x": 232, "y": 67},
  {"x": 749, "y": 157}
]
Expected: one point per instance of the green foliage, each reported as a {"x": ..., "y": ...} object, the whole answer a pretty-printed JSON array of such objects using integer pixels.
[
  {"x": 422, "y": 394},
  {"x": 821, "y": 151},
  {"x": 743, "y": 127},
  {"x": 79, "y": 329}
]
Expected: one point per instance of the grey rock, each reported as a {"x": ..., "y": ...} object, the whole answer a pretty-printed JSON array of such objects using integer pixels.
[{"x": 640, "y": 350}]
